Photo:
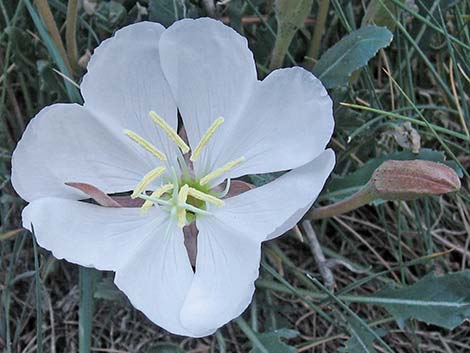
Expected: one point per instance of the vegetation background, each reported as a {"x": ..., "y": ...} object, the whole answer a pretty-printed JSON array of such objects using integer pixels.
[{"x": 394, "y": 279}]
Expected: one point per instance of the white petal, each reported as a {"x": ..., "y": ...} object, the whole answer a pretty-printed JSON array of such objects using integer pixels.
[
  {"x": 211, "y": 73},
  {"x": 66, "y": 143},
  {"x": 157, "y": 278},
  {"x": 229, "y": 243},
  {"x": 125, "y": 82},
  {"x": 287, "y": 122},
  {"x": 274, "y": 208},
  {"x": 89, "y": 235},
  {"x": 227, "y": 266}
]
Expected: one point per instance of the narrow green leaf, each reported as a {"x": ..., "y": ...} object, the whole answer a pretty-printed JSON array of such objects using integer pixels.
[
  {"x": 37, "y": 280},
  {"x": 85, "y": 315},
  {"x": 252, "y": 336},
  {"x": 272, "y": 341},
  {"x": 442, "y": 301},
  {"x": 377, "y": 15},
  {"x": 361, "y": 341},
  {"x": 290, "y": 17},
  {"x": 72, "y": 91},
  {"x": 349, "y": 54}
]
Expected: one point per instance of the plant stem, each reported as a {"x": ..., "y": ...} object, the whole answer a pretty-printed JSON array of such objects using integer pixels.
[
  {"x": 314, "y": 48},
  {"x": 360, "y": 198},
  {"x": 85, "y": 317},
  {"x": 248, "y": 331},
  {"x": 70, "y": 30},
  {"x": 37, "y": 280}
]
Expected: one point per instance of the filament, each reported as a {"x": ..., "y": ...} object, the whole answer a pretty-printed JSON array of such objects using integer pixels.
[
  {"x": 221, "y": 170},
  {"x": 205, "y": 139},
  {"x": 172, "y": 134},
  {"x": 145, "y": 144},
  {"x": 146, "y": 180}
]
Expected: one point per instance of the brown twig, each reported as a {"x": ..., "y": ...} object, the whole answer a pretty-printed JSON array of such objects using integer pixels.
[{"x": 318, "y": 255}]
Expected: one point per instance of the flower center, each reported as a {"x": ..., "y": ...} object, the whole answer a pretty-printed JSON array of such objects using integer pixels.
[{"x": 181, "y": 194}]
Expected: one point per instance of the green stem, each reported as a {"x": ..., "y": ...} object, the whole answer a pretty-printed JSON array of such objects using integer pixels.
[
  {"x": 364, "y": 196},
  {"x": 37, "y": 280},
  {"x": 314, "y": 48},
  {"x": 248, "y": 331},
  {"x": 85, "y": 316},
  {"x": 406, "y": 118}
]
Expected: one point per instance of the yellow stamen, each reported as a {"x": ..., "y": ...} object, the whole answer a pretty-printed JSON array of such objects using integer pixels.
[
  {"x": 145, "y": 144},
  {"x": 155, "y": 195},
  {"x": 169, "y": 131},
  {"x": 221, "y": 170},
  {"x": 181, "y": 211},
  {"x": 146, "y": 180},
  {"x": 205, "y": 197},
  {"x": 205, "y": 139}
]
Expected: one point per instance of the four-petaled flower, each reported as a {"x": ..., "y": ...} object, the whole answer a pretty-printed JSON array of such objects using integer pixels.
[{"x": 124, "y": 139}]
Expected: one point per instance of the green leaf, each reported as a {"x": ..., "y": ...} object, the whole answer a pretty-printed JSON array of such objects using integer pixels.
[
  {"x": 109, "y": 15},
  {"x": 106, "y": 289},
  {"x": 429, "y": 9},
  {"x": 165, "y": 348},
  {"x": 341, "y": 187},
  {"x": 376, "y": 14},
  {"x": 272, "y": 341},
  {"x": 442, "y": 301},
  {"x": 362, "y": 340},
  {"x": 261, "y": 179},
  {"x": 166, "y": 11},
  {"x": 290, "y": 17},
  {"x": 349, "y": 54},
  {"x": 72, "y": 91}
]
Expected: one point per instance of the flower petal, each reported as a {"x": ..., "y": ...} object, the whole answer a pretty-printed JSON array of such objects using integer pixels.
[
  {"x": 226, "y": 268},
  {"x": 125, "y": 82},
  {"x": 157, "y": 278},
  {"x": 287, "y": 122},
  {"x": 229, "y": 243},
  {"x": 211, "y": 73},
  {"x": 274, "y": 208},
  {"x": 66, "y": 143},
  {"x": 87, "y": 234}
]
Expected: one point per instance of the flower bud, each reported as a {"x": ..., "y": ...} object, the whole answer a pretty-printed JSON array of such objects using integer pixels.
[
  {"x": 407, "y": 180},
  {"x": 396, "y": 180}
]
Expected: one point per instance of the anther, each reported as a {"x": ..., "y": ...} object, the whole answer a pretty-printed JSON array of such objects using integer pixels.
[
  {"x": 205, "y": 139},
  {"x": 219, "y": 171},
  {"x": 155, "y": 195},
  {"x": 145, "y": 144},
  {"x": 181, "y": 212},
  {"x": 172, "y": 134},
  {"x": 146, "y": 180},
  {"x": 205, "y": 197}
]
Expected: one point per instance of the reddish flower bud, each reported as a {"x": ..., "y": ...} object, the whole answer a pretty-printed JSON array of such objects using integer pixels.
[
  {"x": 407, "y": 180},
  {"x": 396, "y": 180}
]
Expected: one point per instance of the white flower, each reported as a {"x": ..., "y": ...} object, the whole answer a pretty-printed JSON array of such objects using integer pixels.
[{"x": 236, "y": 125}]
